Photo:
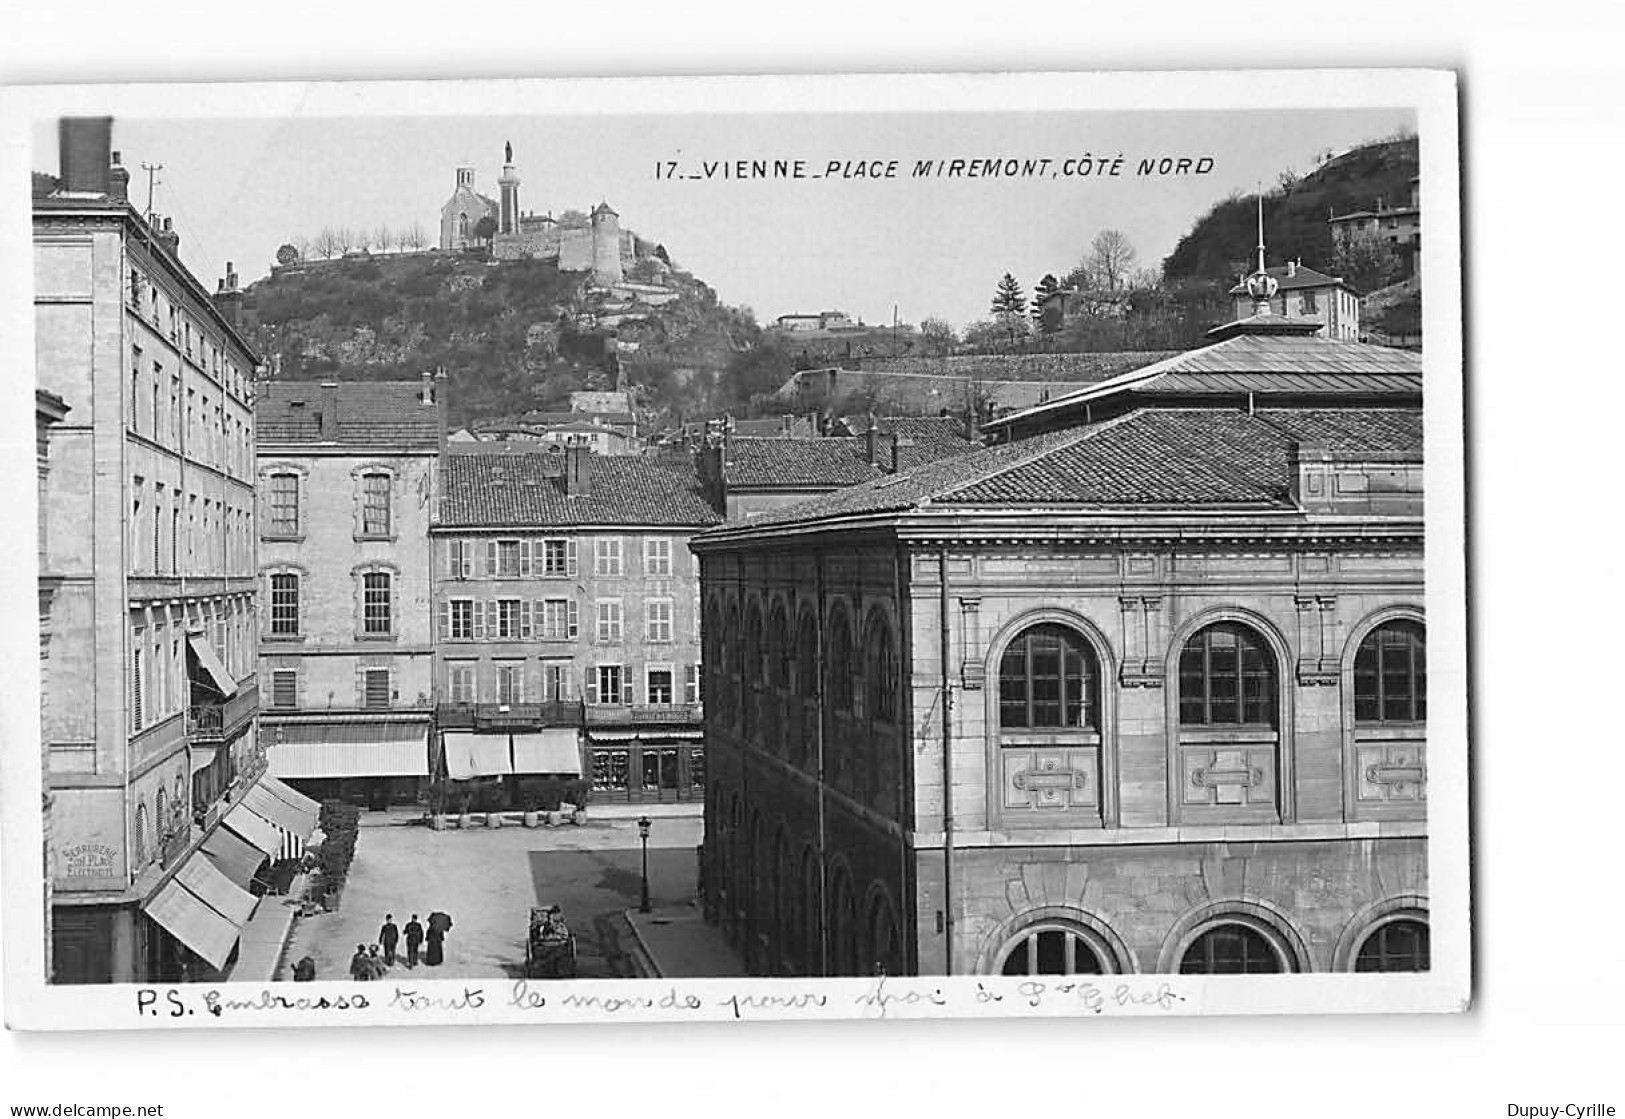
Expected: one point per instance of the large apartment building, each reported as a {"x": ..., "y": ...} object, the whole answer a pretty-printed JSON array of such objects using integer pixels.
[
  {"x": 348, "y": 474},
  {"x": 567, "y": 623},
  {"x": 147, "y": 545}
]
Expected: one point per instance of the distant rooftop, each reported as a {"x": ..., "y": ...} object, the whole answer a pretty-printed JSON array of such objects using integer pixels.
[
  {"x": 375, "y": 413},
  {"x": 527, "y": 490}
]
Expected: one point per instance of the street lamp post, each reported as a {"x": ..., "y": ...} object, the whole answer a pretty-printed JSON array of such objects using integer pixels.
[{"x": 643, "y": 834}]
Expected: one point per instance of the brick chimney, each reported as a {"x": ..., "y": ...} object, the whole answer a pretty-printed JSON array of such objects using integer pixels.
[
  {"x": 168, "y": 238},
  {"x": 118, "y": 187},
  {"x": 228, "y": 298},
  {"x": 426, "y": 389},
  {"x": 577, "y": 470},
  {"x": 85, "y": 154}
]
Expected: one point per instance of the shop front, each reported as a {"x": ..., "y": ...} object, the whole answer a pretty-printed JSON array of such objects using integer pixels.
[
  {"x": 373, "y": 765},
  {"x": 653, "y": 767}
]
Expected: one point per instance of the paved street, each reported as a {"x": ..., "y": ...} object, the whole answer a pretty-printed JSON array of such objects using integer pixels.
[{"x": 488, "y": 880}]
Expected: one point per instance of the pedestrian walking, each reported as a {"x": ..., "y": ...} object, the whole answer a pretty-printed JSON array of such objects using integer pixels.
[
  {"x": 439, "y": 926},
  {"x": 375, "y": 962},
  {"x": 388, "y": 936},
  {"x": 360, "y": 970},
  {"x": 414, "y": 938},
  {"x": 305, "y": 970}
]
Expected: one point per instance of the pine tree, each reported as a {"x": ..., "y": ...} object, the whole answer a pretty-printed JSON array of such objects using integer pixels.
[
  {"x": 1047, "y": 287},
  {"x": 1008, "y": 300}
]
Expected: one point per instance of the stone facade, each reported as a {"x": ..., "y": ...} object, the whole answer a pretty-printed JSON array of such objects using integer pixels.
[
  {"x": 158, "y": 440},
  {"x": 345, "y": 640}
]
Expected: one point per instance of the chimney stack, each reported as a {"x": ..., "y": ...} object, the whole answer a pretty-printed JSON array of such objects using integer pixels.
[
  {"x": 577, "y": 470},
  {"x": 85, "y": 154},
  {"x": 168, "y": 238},
  {"x": 1291, "y": 268},
  {"x": 426, "y": 393},
  {"x": 228, "y": 300},
  {"x": 118, "y": 185}
]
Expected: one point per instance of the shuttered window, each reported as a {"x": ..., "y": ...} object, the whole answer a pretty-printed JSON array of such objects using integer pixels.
[
  {"x": 284, "y": 688},
  {"x": 376, "y": 688}
]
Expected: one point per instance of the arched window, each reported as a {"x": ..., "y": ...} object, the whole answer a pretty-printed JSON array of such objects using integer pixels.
[
  {"x": 843, "y": 927},
  {"x": 1400, "y": 945},
  {"x": 880, "y": 671},
  {"x": 1047, "y": 679},
  {"x": 778, "y": 650},
  {"x": 1226, "y": 678},
  {"x": 1231, "y": 948},
  {"x": 751, "y": 669},
  {"x": 807, "y": 658},
  {"x": 1390, "y": 675},
  {"x": 812, "y": 903},
  {"x": 140, "y": 835},
  {"x": 838, "y": 657},
  {"x": 1052, "y": 950},
  {"x": 161, "y": 814},
  {"x": 462, "y": 225},
  {"x": 885, "y": 948}
]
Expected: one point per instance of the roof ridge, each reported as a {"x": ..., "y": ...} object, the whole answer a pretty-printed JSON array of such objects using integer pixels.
[{"x": 1072, "y": 438}]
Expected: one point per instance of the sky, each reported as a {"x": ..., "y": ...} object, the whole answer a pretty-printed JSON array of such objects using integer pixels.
[{"x": 236, "y": 189}]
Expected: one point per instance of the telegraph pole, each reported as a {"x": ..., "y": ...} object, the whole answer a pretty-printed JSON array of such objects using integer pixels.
[{"x": 152, "y": 170}]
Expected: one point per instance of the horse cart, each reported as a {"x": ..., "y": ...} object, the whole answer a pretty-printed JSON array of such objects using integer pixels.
[{"x": 550, "y": 949}]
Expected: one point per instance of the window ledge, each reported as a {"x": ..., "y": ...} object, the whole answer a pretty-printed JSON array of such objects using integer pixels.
[
  {"x": 282, "y": 538},
  {"x": 377, "y": 637},
  {"x": 1399, "y": 732},
  {"x": 1195, "y": 736},
  {"x": 285, "y": 638},
  {"x": 387, "y": 538},
  {"x": 1060, "y": 736}
]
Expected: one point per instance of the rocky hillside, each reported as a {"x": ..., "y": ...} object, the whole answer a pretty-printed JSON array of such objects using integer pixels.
[
  {"x": 512, "y": 335},
  {"x": 1221, "y": 245}
]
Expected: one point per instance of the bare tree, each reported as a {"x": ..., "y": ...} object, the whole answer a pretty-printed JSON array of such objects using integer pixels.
[
  {"x": 301, "y": 245},
  {"x": 937, "y": 337},
  {"x": 413, "y": 238},
  {"x": 1110, "y": 258},
  {"x": 328, "y": 243},
  {"x": 383, "y": 238},
  {"x": 346, "y": 238}
]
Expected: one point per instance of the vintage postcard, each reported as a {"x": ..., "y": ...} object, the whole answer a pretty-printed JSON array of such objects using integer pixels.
[{"x": 735, "y": 549}]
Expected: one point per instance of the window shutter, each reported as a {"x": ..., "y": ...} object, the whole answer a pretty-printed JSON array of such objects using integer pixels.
[
  {"x": 394, "y": 603},
  {"x": 571, "y": 564},
  {"x": 360, "y": 687},
  {"x": 592, "y": 684},
  {"x": 524, "y": 559},
  {"x": 626, "y": 690},
  {"x": 454, "y": 562},
  {"x": 490, "y": 557},
  {"x": 524, "y": 618},
  {"x": 445, "y": 620},
  {"x": 465, "y": 559},
  {"x": 574, "y": 620},
  {"x": 479, "y": 619}
]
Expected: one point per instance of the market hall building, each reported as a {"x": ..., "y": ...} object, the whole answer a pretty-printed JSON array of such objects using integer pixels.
[
  {"x": 567, "y": 641},
  {"x": 1141, "y": 688}
]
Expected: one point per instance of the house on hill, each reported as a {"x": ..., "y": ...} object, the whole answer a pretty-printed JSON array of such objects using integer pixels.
[
  {"x": 1304, "y": 293},
  {"x": 1400, "y": 227}
]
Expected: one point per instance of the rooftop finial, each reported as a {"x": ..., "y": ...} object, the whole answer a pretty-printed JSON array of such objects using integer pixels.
[
  {"x": 1261, "y": 285},
  {"x": 507, "y": 151}
]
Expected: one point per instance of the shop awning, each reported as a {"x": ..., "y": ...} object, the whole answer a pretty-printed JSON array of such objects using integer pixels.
[
  {"x": 210, "y": 663},
  {"x": 554, "y": 750},
  {"x": 266, "y": 804},
  {"x": 237, "y": 858},
  {"x": 255, "y": 828},
  {"x": 202, "y": 758},
  {"x": 193, "y": 922},
  {"x": 208, "y": 882},
  {"x": 352, "y": 750},
  {"x": 307, "y": 807},
  {"x": 476, "y": 755},
  {"x": 647, "y": 737}
]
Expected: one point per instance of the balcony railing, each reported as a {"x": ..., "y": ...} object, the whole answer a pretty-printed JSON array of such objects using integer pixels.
[
  {"x": 216, "y": 722},
  {"x": 482, "y": 716},
  {"x": 644, "y": 714}
]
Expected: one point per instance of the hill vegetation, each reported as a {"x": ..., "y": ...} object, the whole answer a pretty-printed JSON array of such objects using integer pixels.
[{"x": 512, "y": 335}]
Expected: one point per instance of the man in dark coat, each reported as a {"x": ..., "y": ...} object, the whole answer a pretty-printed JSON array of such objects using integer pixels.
[
  {"x": 414, "y": 937},
  {"x": 360, "y": 969},
  {"x": 388, "y": 936}
]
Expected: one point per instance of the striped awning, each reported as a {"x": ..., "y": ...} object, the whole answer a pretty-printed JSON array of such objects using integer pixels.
[
  {"x": 209, "y": 660},
  {"x": 267, "y": 805},
  {"x": 193, "y": 922},
  {"x": 307, "y": 807},
  {"x": 255, "y": 828},
  {"x": 200, "y": 875},
  {"x": 555, "y": 750},
  {"x": 476, "y": 755},
  {"x": 305, "y": 750},
  {"x": 236, "y": 858}
]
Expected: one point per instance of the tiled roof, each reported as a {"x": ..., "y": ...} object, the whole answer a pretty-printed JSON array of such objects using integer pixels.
[
  {"x": 1151, "y": 457},
  {"x": 367, "y": 412},
  {"x": 1263, "y": 365},
  {"x": 1301, "y": 277},
  {"x": 527, "y": 490},
  {"x": 772, "y": 462}
]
